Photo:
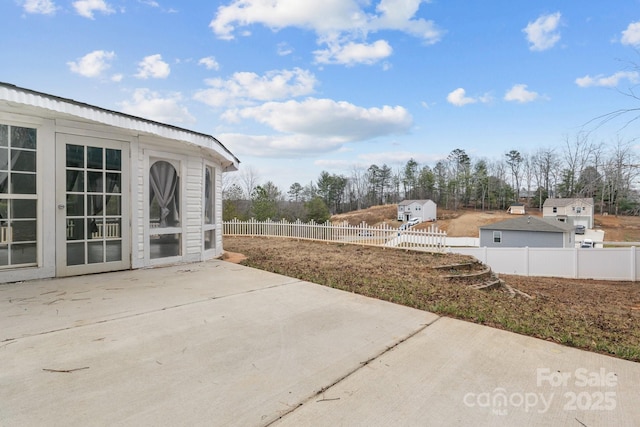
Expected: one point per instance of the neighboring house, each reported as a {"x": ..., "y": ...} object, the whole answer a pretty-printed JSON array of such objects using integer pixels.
[
  {"x": 516, "y": 209},
  {"x": 573, "y": 211},
  {"x": 86, "y": 190},
  {"x": 424, "y": 210},
  {"x": 527, "y": 231}
]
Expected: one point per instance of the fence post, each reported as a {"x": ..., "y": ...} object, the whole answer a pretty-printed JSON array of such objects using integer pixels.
[{"x": 633, "y": 264}]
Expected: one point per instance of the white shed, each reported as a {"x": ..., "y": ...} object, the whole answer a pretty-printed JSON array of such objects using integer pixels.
[{"x": 85, "y": 190}]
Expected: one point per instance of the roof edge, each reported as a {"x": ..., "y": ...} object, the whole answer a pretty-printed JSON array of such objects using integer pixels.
[{"x": 13, "y": 93}]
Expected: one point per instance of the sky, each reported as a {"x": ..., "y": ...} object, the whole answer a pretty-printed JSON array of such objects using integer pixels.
[{"x": 297, "y": 87}]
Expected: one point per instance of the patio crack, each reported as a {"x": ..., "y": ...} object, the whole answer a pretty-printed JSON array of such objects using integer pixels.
[{"x": 350, "y": 373}]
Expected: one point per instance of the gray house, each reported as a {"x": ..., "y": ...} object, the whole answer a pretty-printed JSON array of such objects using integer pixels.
[{"x": 527, "y": 231}]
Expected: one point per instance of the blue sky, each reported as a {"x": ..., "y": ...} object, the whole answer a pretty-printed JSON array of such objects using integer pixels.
[{"x": 295, "y": 87}]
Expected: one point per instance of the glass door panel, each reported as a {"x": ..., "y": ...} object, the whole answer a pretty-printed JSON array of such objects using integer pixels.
[{"x": 94, "y": 208}]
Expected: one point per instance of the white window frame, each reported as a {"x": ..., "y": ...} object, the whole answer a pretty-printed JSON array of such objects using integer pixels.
[
  {"x": 497, "y": 237},
  {"x": 212, "y": 226},
  {"x": 180, "y": 164}
]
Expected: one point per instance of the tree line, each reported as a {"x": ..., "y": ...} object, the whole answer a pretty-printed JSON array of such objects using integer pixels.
[{"x": 579, "y": 167}]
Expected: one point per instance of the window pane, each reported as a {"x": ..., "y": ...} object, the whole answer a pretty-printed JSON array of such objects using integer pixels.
[
  {"x": 96, "y": 252},
  {"x": 4, "y": 135},
  {"x": 95, "y": 204},
  {"x": 75, "y": 205},
  {"x": 112, "y": 229},
  {"x": 24, "y": 254},
  {"x": 75, "y": 229},
  {"x": 75, "y": 156},
  {"x": 23, "y": 160},
  {"x": 114, "y": 250},
  {"x": 23, "y": 231},
  {"x": 23, "y": 209},
  {"x": 94, "y": 182},
  {"x": 75, "y": 253},
  {"x": 114, "y": 160},
  {"x": 209, "y": 239},
  {"x": 4, "y": 159},
  {"x": 113, "y": 183},
  {"x": 94, "y": 158},
  {"x": 4, "y": 209},
  {"x": 95, "y": 228},
  {"x": 4, "y": 182},
  {"x": 165, "y": 245},
  {"x": 23, "y": 137},
  {"x": 4, "y": 255},
  {"x": 113, "y": 206},
  {"x": 23, "y": 183},
  {"x": 208, "y": 196},
  {"x": 164, "y": 203},
  {"x": 75, "y": 180}
]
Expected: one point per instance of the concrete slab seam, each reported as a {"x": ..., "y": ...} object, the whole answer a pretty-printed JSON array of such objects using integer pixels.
[
  {"x": 348, "y": 374},
  {"x": 8, "y": 341}
]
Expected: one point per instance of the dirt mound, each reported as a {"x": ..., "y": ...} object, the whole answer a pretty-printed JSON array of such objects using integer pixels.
[{"x": 373, "y": 216}]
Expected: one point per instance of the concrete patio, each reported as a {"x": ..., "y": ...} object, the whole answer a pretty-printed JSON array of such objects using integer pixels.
[{"x": 217, "y": 343}]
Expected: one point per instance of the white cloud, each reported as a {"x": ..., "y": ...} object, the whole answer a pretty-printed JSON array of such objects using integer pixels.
[
  {"x": 631, "y": 36},
  {"x": 542, "y": 33},
  {"x": 284, "y": 49},
  {"x": 327, "y": 118},
  {"x": 279, "y": 146},
  {"x": 86, "y": 8},
  {"x": 210, "y": 63},
  {"x": 153, "y": 66},
  {"x": 608, "y": 81},
  {"x": 92, "y": 64},
  {"x": 398, "y": 15},
  {"x": 519, "y": 93},
  {"x": 354, "y": 53},
  {"x": 343, "y": 25},
  {"x": 152, "y": 106},
  {"x": 44, "y": 7},
  {"x": 244, "y": 88},
  {"x": 117, "y": 78},
  {"x": 315, "y": 126},
  {"x": 458, "y": 98}
]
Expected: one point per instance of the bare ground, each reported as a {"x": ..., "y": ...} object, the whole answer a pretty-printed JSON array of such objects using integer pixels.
[
  {"x": 599, "y": 316},
  {"x": 465, "y": 222}
]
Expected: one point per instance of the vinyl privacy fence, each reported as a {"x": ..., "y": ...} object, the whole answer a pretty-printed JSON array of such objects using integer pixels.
[
  {"x": 620, "y": 264},
  {"x": 430, "y": 239}
]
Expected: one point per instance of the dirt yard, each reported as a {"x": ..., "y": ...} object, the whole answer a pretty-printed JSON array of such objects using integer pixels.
[
  {"x": 465, "y": 223},
  {"x": 600, "y": 316}
]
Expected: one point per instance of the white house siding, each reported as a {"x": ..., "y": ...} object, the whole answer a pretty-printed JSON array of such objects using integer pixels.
[
  {"x": 138, "y": 191},
  {"x": 194, "y": 207},
  {"x": 218, "y": 210},
  {"x": 192, "y": 179},
  {"x": 56, "y": 118}
]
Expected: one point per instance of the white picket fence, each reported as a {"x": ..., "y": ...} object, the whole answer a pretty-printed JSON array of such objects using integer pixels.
[{"x": 430, "y": 239}]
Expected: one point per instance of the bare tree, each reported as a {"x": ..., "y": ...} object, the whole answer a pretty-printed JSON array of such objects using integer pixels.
[{"x": 249, "y": 179}]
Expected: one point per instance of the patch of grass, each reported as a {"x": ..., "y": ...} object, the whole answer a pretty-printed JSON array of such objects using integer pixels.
[{"x": 591, "y": 315}]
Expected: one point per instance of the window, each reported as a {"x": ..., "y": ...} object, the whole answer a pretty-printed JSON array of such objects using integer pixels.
[
  {"x": 164, "y": 210},
  {"x": 555, "y": 209},
  {"x": 208, "y": 228},
  {"x": 18, "y": 198},
  {"x": 497, "y": 237}
]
